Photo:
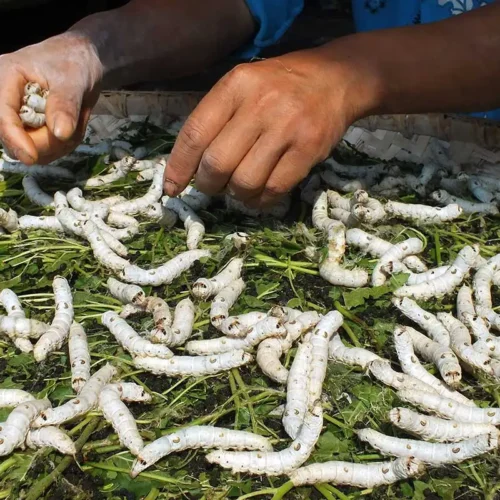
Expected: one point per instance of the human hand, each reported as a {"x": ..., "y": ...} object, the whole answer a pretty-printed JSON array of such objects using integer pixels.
[
  {"x": 263, "y": 126},
  {"x": 68, "y": 66}
]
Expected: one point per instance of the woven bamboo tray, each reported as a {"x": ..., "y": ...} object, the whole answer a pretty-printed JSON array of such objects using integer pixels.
[{"x": 468, "y": 144}]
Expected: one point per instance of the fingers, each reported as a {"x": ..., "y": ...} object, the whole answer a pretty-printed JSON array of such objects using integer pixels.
[
  {"x": 201, "y": 128},
  {"x": 251, "y": 175},
  {"x": 291, "y": 169},
  {"x": 225, "y": 153},
  {"x": 12, "y": 134},
  {"x": 63, "y": 110}
]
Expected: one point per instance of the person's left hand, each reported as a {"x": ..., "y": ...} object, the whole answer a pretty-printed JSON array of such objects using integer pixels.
[{"x": 262, "y": 127}]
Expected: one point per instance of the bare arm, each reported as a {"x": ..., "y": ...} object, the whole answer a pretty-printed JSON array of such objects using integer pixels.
[
  {"x": 146, "y": 39},
  {"x": 265, "y": 124}
]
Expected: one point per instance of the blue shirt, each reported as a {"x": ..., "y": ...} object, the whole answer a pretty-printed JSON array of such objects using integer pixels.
[{"x": 274, "y": 17}]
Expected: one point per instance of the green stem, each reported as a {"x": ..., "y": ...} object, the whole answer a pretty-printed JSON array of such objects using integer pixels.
[
  {"x": 336, "y": 422},
  {"x": 437, "y": 247},
  {"x": 335, "y": 491},
  {"x": 267, "y": 491},
  {"x": 7, "y": 464},
  {"x": 40, "y": 487},
  {"x": 153, "y": 494},
  {"x": 237, "y": 402},
  {"x": 327, "y": 494},
  {"x": 282, "y": 490},
  {"x": 351, "y": 334},
  {"x": 243, "y": 388}
]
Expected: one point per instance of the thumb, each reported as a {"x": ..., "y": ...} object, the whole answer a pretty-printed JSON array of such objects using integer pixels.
[{"x": 62, "y": 113}]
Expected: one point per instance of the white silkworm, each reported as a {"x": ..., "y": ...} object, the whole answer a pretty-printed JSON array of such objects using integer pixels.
[
  {"x": 450, "y": 409},
  {"x": 50, "y": 437},
  {"x": 345, "y": 185},
  {"x": 205, "y": 437},
  {"x": 319, "y": 339},
  {"x": 36, "y": 102},
  {"x": 461, "y": 344},
  {"x": 131, "y": 310},
  {"x": 79, "y": 357},
  {"x": 31, "y": 118},
  {"x": 128, "y": 225},
  {"x": 346, "y": 217},
  {"x": 397, "y": 252},
  {"x": 238, "y": 326},
  {"x": 483, "y": 194},
  {"x": 101, "y": 250},
  {"x": 160, "y": 215},
  {"x": 195, "y": 366},
  {"x": 142, "y": 165},
  {"x": 145, "y": 175},
  {"x": 272, "y": 463},
  {"x": 411, "y": 366},
  {"x": 152, "y": 196},
  {"x": 130, "y": 340},
  {"x": 438, "y": 429},
  {"x": 131, "y": 392},
  {"x": 36, "y": 170},
  {"x": 44, "y": 223},
  {"x": 417, "y": 278},
  {"x": 224, "y": 300},
  {"x": 14, "y": 430},
  {"x": 454, "y": 185},
  {"x": 423, "y": 214},
  {"x": 11, "y": 303},
  {"x": 22, "y": 327},
  {"x": 268, "y": 327},
  {"x": 285, "y": 313},
  {"x": 442, "y": 356},
  {"x": 297, "y": 390},
  {"x": 377, "y": 247},
  {"x": 161, "y": 313},
  {"x": 9, "y": 220},
  {"x": 382, "y": 371},
  {"x": 58, "y": 331},
  {"x": 469, "y": 207},
  {"x": 359, "y": 475},
  {"x": 125, "y": 293},
  {"x": 431, "y": 453},
  {"x": 14, "y": 397},
  {"x": 361, "y": 171},
  {"x": 86, "y": 400},
  {"x": 446, "y": 283},
  {"x": 269, "y": 352},
  {"x": 205, "y": 288},
  {"x": 478, "y": 326},
  {"x": 425, "y": 319},
  {"x": 334, "y": 273},
  {"x": 192, "y": 223},
  {"x": 78, "y": 202},
  {"x": 115, "y": 245},
  {"x": 370, "y": 212},
  {"x": 336, "y": 200},
  {"x": 32, "y": 88},
  {"x": 195, "y": 199},
  {"x": 164, "y": 274},
  {"x": 182, "y": 326},
  {"x": 354, "y": 356},
  {"x": 481, "y": 285},
  {"x": 295, "y": 327},
  {"x": 120, "y": 169},
  {"x": 118, "y": 415},
  {"x": 35, "y": 193},
  {"x": 240, "y": 240}
]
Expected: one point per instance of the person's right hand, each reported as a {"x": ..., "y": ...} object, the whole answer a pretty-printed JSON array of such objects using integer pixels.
[{"x": 69, "y": 67}]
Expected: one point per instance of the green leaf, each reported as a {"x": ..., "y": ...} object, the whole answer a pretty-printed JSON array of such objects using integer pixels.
[{"x": 357, "y": 297}]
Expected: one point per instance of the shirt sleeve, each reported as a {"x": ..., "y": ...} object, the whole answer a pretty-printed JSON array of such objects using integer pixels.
[{"x": 273, "y": 18}]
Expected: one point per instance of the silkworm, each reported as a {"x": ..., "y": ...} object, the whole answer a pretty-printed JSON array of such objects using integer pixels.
[
  {"x": 130, "y": 340},
  {"x": 9, "y": 220},
  {"x": 35, "y": 193},
  {"x": 196, "y": 366},
  {"x": 450, "y": 409},
  {"x": 194, "y": 226},
  {"x": 469, "y": 207},
  {"x": 195, "y": 199},
  {"x": 438, "y": 429},
  {"x": 14, "y": 397},
  {"x": 224, "y": 300},
  {"x": 297, "y": 390},
  {"x": 359, "y": 475},
  {"x": 354, "y": 356},
  {"x": 58, "y": 331},
  {"x": 238, "y": 326},
  {"x": 46, "y": 171},
  {"x": 431, "y": 453},
  {"x": 79, "y": 357},
  {"x": 481, "y": 284},
  {"x": 181, "y": 328},
  {"x": 164, "y": 274},
  {"x": 50, "y": 437},
  {"x": 31, "y": 118},
  {"x": 204, "y": 288},
  {"x": 273, "y": 463},
  {"x": 22, "y": 327},
  {"x": 14, "y": 430},
  {"x": 86, "y": 400},
  {"x": 423, "y": 214},
  {"x": 43, "y": 223},
  {"x": 160, "y": 215},
  {"x": 446, "y": 283},
  {"x": 125, "y": 293},
  {"x": 120, "y": 170},
  {"x": 195, "y": 437},
  {"x": 78, "y": 202}
]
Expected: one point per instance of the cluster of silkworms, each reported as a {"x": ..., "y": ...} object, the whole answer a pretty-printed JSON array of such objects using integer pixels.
[
  {"x": 454, "y": 428},
  {"x": 32, "y": 112}
]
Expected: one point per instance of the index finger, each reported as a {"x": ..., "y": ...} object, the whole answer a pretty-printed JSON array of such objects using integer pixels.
[
  {"x": 12, "y": 134},
  {"x": 201, "y": 128}
]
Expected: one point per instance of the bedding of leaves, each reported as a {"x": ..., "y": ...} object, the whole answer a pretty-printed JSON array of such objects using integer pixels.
[{"x": 276, "y": 272}]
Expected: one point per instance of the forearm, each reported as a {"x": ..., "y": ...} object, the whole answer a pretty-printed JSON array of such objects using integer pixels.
[
  {"x": 449, "y": 66},
  {"x": 156, "y": 39}
]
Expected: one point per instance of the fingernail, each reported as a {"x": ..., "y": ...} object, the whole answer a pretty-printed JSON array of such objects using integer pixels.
[
  {"x": 63, "y": 126},
  {"x": 171, "y": 187}
]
